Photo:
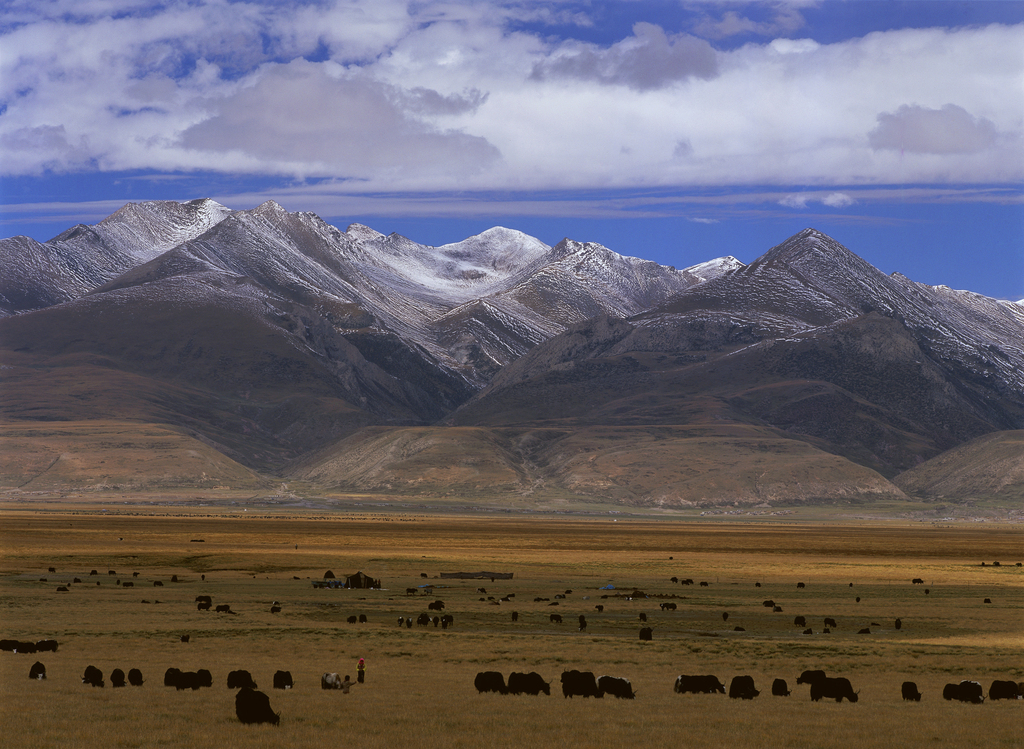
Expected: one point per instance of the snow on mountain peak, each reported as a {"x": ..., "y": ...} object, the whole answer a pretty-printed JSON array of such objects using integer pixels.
[{"x": 714, "y": 268}]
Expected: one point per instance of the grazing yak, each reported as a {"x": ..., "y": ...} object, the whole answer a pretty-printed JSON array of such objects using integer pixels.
[
  {"x": 92, "y": 676},
  {"x": 254, "y": 707},
  {"x": 490, "y": 681},
  {"x": 909, "y": 691},
  {"x": 646, "y": 634},
  {"x": 809, "y": 677},
  {"x": 583, "y": 623},
  {"x": 580, "y": 683},
  {"x": 182, "y": 680},
  {"x": 17, "y": 646},
  {"x": 837, "y": 688},
  {"x": 799, "y": 621},
  {"x": 780, "y": 688},
  {"x": 515, "y": 616},
  {"x": 44, "y": 646},
  {"x": 742, "y": 688},
  {"x": 38, "y": 671},
  {"x": 117, "y": 678},
  {"x": 698, "y": 684},
  {"x": 240, "y": 679},
  {"x": 643, "y": 616},
  {"x": 830, "y": 622},
  {"x": 556, "y": 618},
  {"x": 531, "y": 683},
  {"x": 1004, "y": 690},
  {"x": 283, "y": 680},
  {"x": 423, "y": 619},
  {"x": 135, "y": 677},
  {"x": 616, "y": 686},
  {"x": 667, "y": 606},
  {"x": 965, "y": 691}
]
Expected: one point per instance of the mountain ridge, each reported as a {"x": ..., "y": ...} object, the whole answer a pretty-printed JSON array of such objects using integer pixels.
[{"x": 518, "y": 368}]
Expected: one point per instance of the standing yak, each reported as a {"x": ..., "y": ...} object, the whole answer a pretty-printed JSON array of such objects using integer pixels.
[{"x": 580, "y": 683}]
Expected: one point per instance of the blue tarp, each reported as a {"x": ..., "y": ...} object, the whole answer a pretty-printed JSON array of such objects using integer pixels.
[{"x": 607, "y": 587}]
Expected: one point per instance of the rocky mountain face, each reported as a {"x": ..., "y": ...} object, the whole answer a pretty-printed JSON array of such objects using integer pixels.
[{"x": 499, "y": 365}]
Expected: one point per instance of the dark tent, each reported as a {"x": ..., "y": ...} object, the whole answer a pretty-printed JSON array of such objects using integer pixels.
[{"x": 359, "y": 580}]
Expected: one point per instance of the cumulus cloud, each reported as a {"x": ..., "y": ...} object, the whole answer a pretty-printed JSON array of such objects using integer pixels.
[
  {"x": 917, "y": 129},
  {"x": 647, "y": 60},
  {"x": 352, "y": 126}
]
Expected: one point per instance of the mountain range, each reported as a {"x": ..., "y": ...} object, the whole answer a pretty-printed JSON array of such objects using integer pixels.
[{"x": 186, "y": 344}]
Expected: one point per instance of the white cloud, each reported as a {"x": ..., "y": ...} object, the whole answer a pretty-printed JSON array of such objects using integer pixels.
[
  {"x": 832, "y": 199},
  {"x": 838, "y": 200},
  {"x": 446, "y": 96}
]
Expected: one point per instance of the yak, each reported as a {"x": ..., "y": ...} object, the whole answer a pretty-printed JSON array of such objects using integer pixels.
[
  {"x": 92, "y": 676},
  {"x": 909, "y": 691},
  {"x": 490, "y": 681},
  {"x": 580, "y": 683},
  {"x": 616, "y": 686},
  {"x": 780, "y": 688},
  {"x": 1004, "y": 690},
  {"x": 646, "y": 634},
  {"x": 38, "y": 671},
  {"x": 698, "y": 684},
  {"x": 135, "y": 677},
  {"x": 531, "y": 683},
  {"x": 117, "y": 678},
  {"x": 254, "y": 707},
  {"x": 837, "y": 688},
  {"x": 965, "y": 691},
  {"x": 742, "y": 687},
  {"x": 283, "y": 680}
]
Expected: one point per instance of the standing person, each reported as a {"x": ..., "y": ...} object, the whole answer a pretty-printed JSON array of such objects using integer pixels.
[{"x": 361, "y": 671}]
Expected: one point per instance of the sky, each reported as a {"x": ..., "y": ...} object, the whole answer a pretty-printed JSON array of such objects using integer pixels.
[{"x": 672, "y": 130}]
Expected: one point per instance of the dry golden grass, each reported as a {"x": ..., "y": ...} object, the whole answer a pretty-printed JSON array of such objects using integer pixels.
[{"x": 419, "y": 686}]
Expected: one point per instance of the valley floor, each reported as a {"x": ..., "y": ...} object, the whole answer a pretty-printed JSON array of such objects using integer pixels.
[{"x": 419, "y": 687}]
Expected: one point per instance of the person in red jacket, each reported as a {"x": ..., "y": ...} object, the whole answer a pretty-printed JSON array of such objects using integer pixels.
[{"x": 360, "y": 671}]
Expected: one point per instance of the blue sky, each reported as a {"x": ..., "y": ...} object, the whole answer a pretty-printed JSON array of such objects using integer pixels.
[{"x": 675, "y": 131}]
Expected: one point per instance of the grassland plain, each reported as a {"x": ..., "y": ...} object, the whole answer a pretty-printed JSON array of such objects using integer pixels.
[{"x": 419, "y": 689}]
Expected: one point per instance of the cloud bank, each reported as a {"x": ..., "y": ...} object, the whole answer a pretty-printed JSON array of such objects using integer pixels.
[{"x": 459, "y": 95}]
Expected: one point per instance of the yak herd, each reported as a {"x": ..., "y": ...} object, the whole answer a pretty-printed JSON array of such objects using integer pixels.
[
  {"x": 252, "y": 706},
  {"x": 822, "y": 687}
]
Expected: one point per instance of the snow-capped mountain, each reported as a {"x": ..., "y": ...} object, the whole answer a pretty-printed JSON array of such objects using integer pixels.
[
  {"x": 270, "y": 335},
  {"x": 38, "y": 274}
]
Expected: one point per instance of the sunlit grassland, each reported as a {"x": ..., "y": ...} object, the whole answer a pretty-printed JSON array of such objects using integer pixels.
[{"x": 419, "y": 686}]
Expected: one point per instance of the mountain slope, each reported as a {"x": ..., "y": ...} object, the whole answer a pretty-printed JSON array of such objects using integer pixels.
[
  {"x": 34, "y": 275},
  {"x": 365, "y": 361}
]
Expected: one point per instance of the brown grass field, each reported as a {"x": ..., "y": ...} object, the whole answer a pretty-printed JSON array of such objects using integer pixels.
[{"x": 419, "y": 687}]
